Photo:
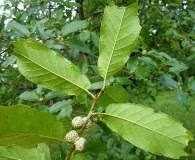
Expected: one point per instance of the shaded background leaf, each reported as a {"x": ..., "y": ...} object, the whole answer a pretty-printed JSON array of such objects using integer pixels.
[
  {"x": 73, "y": 27},
  {"x": 79, "y": 156},
  {"x": 29, "y": 96},
  {"x": 183, "y": 100},
  {"x": 18, "y": 28},
  {"x": 113, "y": 94}
]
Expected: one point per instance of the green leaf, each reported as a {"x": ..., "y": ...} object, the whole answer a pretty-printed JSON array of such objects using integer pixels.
[
  {"x": 191, "y": 83},
  {"x": 66, "y": 121},
  {"x": 29, "y": 96},
  {"x": 177, "y": 67},
  {"x": 168, "y": 81},
  {"x": 70, "y": 4},
  {"x": 141, "y": 72},
  {"x": 19, "y": 29},
  {"x": 113, "y": 94},
  {"x": 45, "y": 149},
  {"x": 79, "y": 156},
  {"x": 95, "y": 39},
  {"x": 81, "y": 99},
  {"x": 43, "y": 66},
  {"x": 183, "y": 100},
  {"x": 84, "y": 35},
  {"x": 38, "y": 23},
  {"x": 18, "y": 153},
  {"x": 154, "y": 132},
  {"x": 9, "y": 60},
  {"x": 192, "y": 13},
  {"x": 119, "y": 33},
  {"x": 100, "y": 147},
  {"x": 132, "y": 64},
  {"x": 73, "y": 27},
  {"x": 123, "y": 81},
  {"x": 54, "y": 94},
  {"x": 65, "y": 111},
  {"x": 59, "y": 105},
  {"x": 99, "y": 84},
  {"x": 27, "y": 127},
  {"x": 147, "y": 60},
  {"x": 79, "y": 45}
]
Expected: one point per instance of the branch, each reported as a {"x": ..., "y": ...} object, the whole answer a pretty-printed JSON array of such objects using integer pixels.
[
  {"x": 96, "y": 98},
  {"x": 49, "y": 13},
  {"x": 80, "y": 10}
]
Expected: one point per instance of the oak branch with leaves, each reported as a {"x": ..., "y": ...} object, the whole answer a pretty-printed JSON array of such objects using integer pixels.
[{"x": 154, "y": 132}]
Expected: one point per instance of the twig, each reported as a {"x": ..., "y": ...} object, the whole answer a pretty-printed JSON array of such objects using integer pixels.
[{"x": 96, "y": 98}]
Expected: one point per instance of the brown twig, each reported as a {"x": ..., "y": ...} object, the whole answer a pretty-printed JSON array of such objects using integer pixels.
[{"x": 80, "y": 10}]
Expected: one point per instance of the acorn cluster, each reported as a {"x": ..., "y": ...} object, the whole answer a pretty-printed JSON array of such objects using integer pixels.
[{"x": 73, "y": 137}]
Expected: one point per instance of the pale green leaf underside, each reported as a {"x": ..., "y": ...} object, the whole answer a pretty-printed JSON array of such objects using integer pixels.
[
  {"x": 18, "y": 153},
  {"x": 24, "y": 126},
  {"x": 119, "y": 33},
  {"x": 154, "y": 132},
  {"x": 43, "y": 66}
]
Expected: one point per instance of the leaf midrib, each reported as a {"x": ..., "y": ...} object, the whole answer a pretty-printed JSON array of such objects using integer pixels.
[
  {"x": 141, "y": 126},
  {"x": 32, "y": 61}
]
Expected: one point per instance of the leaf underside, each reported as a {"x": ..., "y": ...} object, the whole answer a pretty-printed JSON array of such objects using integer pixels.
[
  {"x": 18, "y": 153},
  {"x": 118, "y": 36},
  {"x": 154, "y": 132},
  {"x": 43, "y": 66},
  {"x": 27, "y": 127}
]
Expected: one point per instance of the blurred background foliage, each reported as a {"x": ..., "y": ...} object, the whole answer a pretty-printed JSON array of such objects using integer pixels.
[{"x": 159, "y": 73}]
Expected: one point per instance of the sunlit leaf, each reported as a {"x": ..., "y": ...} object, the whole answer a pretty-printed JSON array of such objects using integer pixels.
[
  {"x": 119, "y": 33},
  {"x": 43, "y": 66},
  {"x": 154, "y": 132}
]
